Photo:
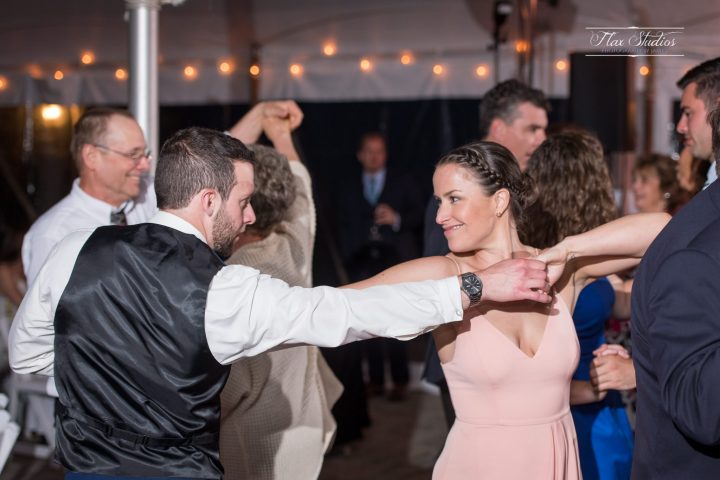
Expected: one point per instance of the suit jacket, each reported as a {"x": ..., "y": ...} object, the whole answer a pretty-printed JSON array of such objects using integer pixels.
[
  {"x": 355, "y": 218},
  {"x": 676, "y": 346}
]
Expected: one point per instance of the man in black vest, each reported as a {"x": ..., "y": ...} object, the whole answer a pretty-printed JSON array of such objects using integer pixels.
[{"x": 139, "y": 323}]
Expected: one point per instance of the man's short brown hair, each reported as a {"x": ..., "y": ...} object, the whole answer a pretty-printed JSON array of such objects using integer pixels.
[{"x": 194, "y": 159}]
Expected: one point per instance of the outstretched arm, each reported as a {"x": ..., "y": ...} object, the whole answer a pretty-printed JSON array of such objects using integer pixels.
[
  {"x": 278, "y": 128},
  {"x": 506, "y": 281},
  {"x": 609, "y": 248}
]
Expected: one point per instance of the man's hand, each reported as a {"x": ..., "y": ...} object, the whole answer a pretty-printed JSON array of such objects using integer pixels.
[
  {"x": 385, "y": 215},
  {"x": 612, "y": 369},
  {"x": 513, "y": 280}
]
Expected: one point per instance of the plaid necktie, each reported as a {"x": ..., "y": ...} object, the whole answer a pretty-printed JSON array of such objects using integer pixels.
[{"x": 117, "y": 217}]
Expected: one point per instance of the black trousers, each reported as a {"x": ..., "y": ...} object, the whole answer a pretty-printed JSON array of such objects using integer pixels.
[{"x": 350, "y": 411}]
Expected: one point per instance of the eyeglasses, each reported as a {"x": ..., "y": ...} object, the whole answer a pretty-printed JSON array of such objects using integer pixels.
[{"x": 134, "y": 156}]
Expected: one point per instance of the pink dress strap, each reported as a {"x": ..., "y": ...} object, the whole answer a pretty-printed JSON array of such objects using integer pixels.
[{"x": 457, "y": 265}]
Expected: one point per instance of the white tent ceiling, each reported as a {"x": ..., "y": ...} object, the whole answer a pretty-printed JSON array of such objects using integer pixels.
[{"x": 38, "y": 37}]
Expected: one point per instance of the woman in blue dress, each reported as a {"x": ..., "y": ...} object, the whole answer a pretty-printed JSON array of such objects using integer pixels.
[{"x": 575, "y": 195}]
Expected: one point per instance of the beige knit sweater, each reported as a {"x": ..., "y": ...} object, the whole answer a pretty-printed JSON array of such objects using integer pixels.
[{"x": 276, "y": 421}]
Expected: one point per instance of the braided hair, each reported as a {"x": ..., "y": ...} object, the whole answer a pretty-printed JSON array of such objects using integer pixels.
[{"x": 495, "y": 168}]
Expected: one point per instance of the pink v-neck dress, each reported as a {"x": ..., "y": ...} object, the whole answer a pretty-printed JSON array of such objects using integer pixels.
[{"x": 513, "y": 413}]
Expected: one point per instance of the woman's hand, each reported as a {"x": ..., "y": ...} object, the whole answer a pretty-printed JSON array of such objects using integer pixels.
[
  {"x": 582, "y": 392},
  {"x": 556, "y": 259},
  {"x": 612, "y": 369}
]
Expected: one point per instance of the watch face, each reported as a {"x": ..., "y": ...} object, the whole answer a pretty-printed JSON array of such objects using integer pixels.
[{"x": 471, "y": 284}]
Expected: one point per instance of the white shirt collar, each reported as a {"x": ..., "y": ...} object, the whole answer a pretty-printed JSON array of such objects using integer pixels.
[
  {"x": 170, "y": 220},
  {"x": 88, "y": 201},
  {"x": 711, "y": 175}
]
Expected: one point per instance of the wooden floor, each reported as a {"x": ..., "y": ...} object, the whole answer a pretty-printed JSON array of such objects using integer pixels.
[{"x": 402, "y": 444}]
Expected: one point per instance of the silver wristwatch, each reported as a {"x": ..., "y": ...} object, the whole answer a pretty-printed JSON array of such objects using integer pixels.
[{"x": 472, "y": 286}]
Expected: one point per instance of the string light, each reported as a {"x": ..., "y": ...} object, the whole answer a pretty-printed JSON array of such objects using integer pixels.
[
  {"x": 329, "y": 49},
  {"x": 482, "y": 71},
  {"x": 365, "y": 65},
  {"x": 190, "y": 72},
  {"x": 87, "y": 58},
  {"x": 51, "y": 112},
  {"x": 644, "y": 71},
  {"x": 3, "y": 83},
  {"x": 225, "y": 67},
  {"x": 296, "y": 70}
]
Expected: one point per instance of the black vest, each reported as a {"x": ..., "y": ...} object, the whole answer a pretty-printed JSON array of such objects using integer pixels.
[{"x": 139, "y": 388}]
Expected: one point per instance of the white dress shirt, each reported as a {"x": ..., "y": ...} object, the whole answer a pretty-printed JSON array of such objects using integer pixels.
[
  {"x": 248, "y": 312},
  {"x": 77, "y": 211},
  {"x": 711, "y": 175}
]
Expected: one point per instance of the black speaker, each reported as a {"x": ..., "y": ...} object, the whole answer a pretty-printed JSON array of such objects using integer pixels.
[{"x": 602, "y": 98}]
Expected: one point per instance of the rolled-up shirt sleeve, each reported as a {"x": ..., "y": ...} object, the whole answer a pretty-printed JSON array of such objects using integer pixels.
[{"x": 248, "y": 312}]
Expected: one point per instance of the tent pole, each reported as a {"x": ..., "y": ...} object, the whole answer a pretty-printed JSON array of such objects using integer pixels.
[{"x": 143, "y": 53}]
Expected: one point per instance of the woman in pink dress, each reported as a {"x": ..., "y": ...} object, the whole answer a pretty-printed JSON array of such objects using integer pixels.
[{"x": 509, "y": 366}]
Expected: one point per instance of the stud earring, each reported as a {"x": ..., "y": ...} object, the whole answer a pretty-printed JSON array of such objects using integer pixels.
[
  {"x": 498, "y": 213},
  {"x": 666, "y": 195}
]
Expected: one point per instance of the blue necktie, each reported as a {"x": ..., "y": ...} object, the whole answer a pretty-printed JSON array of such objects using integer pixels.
[{"x": 372, "y": 193}]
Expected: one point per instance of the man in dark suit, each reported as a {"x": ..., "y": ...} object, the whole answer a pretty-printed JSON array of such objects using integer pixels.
[
  {"x": 380, "y": 213},
  {"x": 676, "y": 343}
]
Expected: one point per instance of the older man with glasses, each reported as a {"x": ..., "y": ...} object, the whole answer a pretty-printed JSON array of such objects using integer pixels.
[{"x": 113, "y": 161}]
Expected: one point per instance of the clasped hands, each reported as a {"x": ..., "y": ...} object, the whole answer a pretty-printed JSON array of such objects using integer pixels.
[
  {"x": 612, "y": 369},
  {"x": 524, "y": 278},
  {"x": 276, "y": 118}
]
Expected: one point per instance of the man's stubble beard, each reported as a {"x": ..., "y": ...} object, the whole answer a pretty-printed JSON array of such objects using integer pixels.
[{"x": 224, "y": 233}]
